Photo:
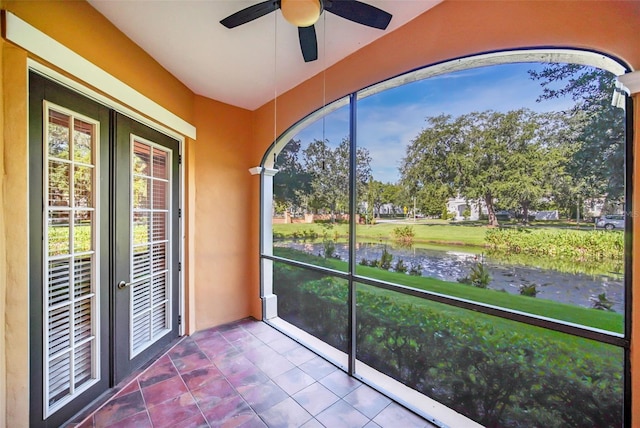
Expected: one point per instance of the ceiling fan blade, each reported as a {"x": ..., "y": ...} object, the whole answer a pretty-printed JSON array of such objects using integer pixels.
[
  {"x": 308, "y": 43},
  {"x": 359, "y": 12},
  {"x": 250, "y": 13}
]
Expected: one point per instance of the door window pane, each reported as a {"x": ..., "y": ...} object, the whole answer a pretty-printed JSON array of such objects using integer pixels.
[
  {"x": 83, "y": 186},
  {"x": 58, "y": 281},
  {"x": 141, "y": 227},
  {"x": 83, "y": 268},
  {"x": 142, "y": 192},
  {"x": 59, "y": 184},
  {"x": 58, "y": 135},
  {"x": 58, "y": 233},
  {"x": 82, "y": 142},
  {"x": 160, "y": 159},
  {"x": 83, "y": 231}
]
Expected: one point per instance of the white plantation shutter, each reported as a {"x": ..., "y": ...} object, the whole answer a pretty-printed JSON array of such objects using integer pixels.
[
  {"x": 151, "y": 225},
  {"x": 70, "y": 343}
]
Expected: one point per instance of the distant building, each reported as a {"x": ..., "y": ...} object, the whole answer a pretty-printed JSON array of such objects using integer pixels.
[{"x": 459, "y": 205}]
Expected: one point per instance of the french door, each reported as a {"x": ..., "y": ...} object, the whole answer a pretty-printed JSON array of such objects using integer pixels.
[
  {"x": 146, "y": 240},
  {"x": 104, "y": 256}
]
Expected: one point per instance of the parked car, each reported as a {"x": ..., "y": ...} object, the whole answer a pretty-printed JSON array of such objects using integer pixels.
[
  {"x": 611, "y": 221},
  {"x": 503, "y": 215}
]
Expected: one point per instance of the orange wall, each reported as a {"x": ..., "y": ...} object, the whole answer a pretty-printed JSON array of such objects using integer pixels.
[
  {"x": 225, "y": 255},
  {"x": 3, "y": 255},
  {"x": 15, "y": 272}
]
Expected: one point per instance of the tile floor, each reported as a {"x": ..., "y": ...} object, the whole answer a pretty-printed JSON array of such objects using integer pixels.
[{"x": 247, "y": 374}]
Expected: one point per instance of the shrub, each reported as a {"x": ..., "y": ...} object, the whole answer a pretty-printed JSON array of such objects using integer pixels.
[
  {"x": 575, "y": 245},
  {"x": 329, "y": 248},
  {"x": 446, "y": 215},
  {"x": 403, "y": 234},
  {"x": 530, "y": 290},
  {"x": 415, "y": 270},
  {"x": 385, "y": 259},
  {"x": 400, "y": 266},
  {"x": 479, "y": 276},
  {"x": 601, "y": 302},
  {"x": 493, "y": 373},
  {"x": 309, "y": 234}
]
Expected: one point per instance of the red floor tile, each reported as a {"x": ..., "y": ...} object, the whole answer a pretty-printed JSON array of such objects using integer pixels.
[
  {"x": 119, "y": 408},
  {"x": 163, "y": 391},
  {"x": 213, "y": 393},
  {"x": 191, "y": 361},
  {"x": 162, "y": 369},
  {"x": 228, "y": 412},
  {"x": 247, "y": 375},
  {"x": 174, "y": 411},
  {"x": 139, "y": 420},
  {"x": 199, "y": 377}
]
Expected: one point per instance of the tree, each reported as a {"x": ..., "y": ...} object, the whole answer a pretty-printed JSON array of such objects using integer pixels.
[
  {"x": 329, "y": 172},
  {"x": 374, "y": 196},
  {"x": 431, "y": 199},
  {"x": 432, "y": 162},
  {"x": 561, "y": 131},
  {"x": 538, "y": 162},
  {"x": 486, "y": 156},
  {"x": 292, "y": 184},
  {"x": 597, "y": 163}
]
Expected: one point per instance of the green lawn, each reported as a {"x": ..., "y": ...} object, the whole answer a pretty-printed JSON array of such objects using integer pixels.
[
  {"x": 425, "y": 231},
  {"x": 609, "y": 321},
  {"x": 442, "y": 232}
]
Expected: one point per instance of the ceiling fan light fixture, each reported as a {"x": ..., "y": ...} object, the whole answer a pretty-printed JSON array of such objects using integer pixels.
[{"x": 301, "y": 13}]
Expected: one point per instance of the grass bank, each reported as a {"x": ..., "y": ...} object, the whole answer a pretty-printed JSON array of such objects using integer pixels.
[
  {"x": 449, "y": 234},
  {"x": 609, "y": 321}
]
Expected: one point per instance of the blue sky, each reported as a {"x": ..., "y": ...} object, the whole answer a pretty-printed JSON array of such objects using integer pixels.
[{"x": 389, "y": 120}]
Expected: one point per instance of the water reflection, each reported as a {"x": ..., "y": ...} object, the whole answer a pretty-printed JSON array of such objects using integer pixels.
[{"x": 559, "y": 280}]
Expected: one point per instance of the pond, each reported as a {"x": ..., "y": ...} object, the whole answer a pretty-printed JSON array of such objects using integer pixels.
[{"x": 558, "y": 280}]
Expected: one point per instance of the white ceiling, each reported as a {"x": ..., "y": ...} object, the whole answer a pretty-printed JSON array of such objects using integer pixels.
[{"x": 239, "y": 66}]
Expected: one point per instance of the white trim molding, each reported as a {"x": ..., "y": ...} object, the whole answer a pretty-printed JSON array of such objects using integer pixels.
[
  {"x": 33, "y": 40},
  {"x": 269, "y": 172},
  {"x": 631, "y": 82}
]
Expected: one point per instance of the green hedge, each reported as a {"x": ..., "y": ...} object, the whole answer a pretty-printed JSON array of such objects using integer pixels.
[{"x": 500, "y": 377}]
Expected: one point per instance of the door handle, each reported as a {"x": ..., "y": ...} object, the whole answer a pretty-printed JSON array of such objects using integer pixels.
[{"x": 123, "y": 284}]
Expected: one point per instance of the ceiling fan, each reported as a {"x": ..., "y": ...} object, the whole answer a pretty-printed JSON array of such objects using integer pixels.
[{"x": 305, "y": 13}]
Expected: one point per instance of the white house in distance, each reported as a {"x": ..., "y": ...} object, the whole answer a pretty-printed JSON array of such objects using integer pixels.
[
  {"x": 459, "y": 205},
  {"x": 591, "y": 208}
]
